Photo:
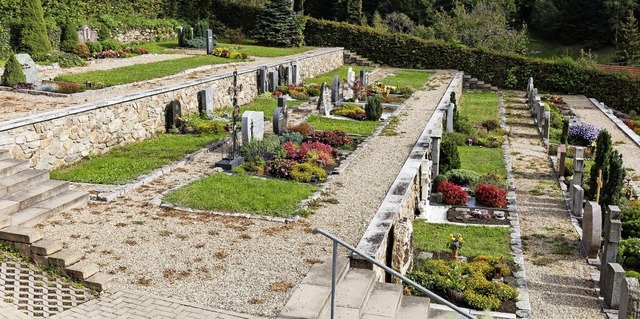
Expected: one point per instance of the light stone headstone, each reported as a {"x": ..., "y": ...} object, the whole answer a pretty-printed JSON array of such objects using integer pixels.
[
  {"x": 612, "y": 229},
  {"x": 86, "y": 34},
  {"x": 209, "y": 41},
  {"x": 262, "y": 80},
  {"x": 324, "y": 101},
  {"x": 450, "y": 111},
  {"x": 578, "y": 169},
  {"x": 562, "y": 155},
  {"x": 545, "y": 126},
  {"x": 335, "y": 90},
  {"x": 591, "y": 229},
  {"x": 539, "y": 115},
  {"x": 280, "y": 117},
  {"x": 629, "y": 299},
  {"x": 252, "y": 126},
  {"x": 530, "y": 88},
  {"x": 351, "y": 80},
  {"x": 289, "y": 75},
  {"x": 273, "y": 81},
  {"x": 205, "y": 101},
  {"x": 425, "y": 180},
  {"x": 435, "y": 154},
  {"x": 29, "y": 68},
  {"x": 578, "y": 197},
  {"x": 610, "y": 289}
]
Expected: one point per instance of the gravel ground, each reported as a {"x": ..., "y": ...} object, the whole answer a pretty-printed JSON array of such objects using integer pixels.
[
  {"x": 243, "y": 265},
  {"x": 591, "y": 114},
  {"x": 558, "y": 279}
]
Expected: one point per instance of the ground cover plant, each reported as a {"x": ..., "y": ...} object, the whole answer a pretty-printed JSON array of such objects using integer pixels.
[
  {"x": 124, "y": 164},
  {"x": 354, "y": 127},
  {"x": 243, "y": 193},
  {"x": 141, "y": 72},
  {"x": 482, "y": 160}
]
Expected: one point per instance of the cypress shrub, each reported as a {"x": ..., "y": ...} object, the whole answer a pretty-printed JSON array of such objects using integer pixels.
[
  {"x": 69, "y": 38},
  {"x": 200, "y": 30},
  {"x": 449, "y": 156},
  {"x": 373, "y": 109},
  {"x": 187, "y": 34},
  {"x": 603, "y": 149},
  {"x": 565, "y": 132},
  {"x": 614, "y": 176},
  {"x": 13, "y": 72},
  {"x": 33, "y": 32}
]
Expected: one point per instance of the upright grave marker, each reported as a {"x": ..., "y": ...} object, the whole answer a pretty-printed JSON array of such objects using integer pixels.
[
  {"x": 324, "y": 101},
  {"x": 205, "y": 102},
  {"x": 591, "y": 229},
  {"x": 280, "y": 117},
  {"x": 233, "y": 159}
]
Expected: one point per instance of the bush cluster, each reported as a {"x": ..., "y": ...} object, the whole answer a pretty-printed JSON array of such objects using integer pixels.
[
  {"x": 462, "y": 177},
  {"x": 583, "y": 133},
  {"x": 12, "y": 72},
  {"x": 353, "y": 111},
  {"x": 452, "y": 194},
  {"x": 491, "y": 196},
  {"x": 373, "y": 109},
  {"x": 335, "y": 138},
  {"x": 304, "y": 172}
]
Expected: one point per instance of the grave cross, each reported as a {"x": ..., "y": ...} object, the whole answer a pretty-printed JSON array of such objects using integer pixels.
[
  {"x": 599, "y": 183},
  {"x": 233, "y": 91}
]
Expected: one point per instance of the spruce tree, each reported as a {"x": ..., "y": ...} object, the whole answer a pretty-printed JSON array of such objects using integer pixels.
[
  {"x": 614, "y": 176},
  {"x": 603, "y": 149},
  {"x": 69, "y": 38},
  {"x": 628, "y": 44},
  {"x": 33, "y": 32},
  {"x": 354, "y": 11},
  {"x": 13, "y": 72},
  {"x": 278, "y": 25}
]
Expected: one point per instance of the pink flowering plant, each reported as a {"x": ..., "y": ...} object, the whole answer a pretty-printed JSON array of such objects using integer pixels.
[
  {"x": 335, "y": 138},
  {"x": 280, "y": 168},
  {"x": 309, "y": 151}
]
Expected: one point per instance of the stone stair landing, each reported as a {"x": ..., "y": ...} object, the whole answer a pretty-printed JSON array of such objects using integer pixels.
[
  {"x": 352, "y": 58},
  {"x": 28, "y": 196}
]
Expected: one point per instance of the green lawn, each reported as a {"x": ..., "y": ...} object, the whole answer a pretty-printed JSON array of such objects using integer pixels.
[
  {"x": 482, "y": 160},
  {"x": 266, "y": 105},
  {"x": 250, "y": 47},
  {"x": 163, "y": 47},
  {"x": 414, "y": 79},
  {"x": 242, "y": 193},
  {"x": 354, "y": 127},
  {"x": 477, "y": 240},
  {"x": 480, "y": 106},
  {"x": 124, "y": 164},
  {"x": 341, "y": 72},
  {"x": 142, "y": 72}
]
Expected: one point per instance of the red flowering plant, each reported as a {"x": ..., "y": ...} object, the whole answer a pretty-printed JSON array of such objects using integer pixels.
[
  {"x": 452, "y": 194},
  {"x": 309, "y": 152},
  {"x": 108, "y": 54},
  {"x": 490, "y": 196},
  {"x": 335, "y": 138}
]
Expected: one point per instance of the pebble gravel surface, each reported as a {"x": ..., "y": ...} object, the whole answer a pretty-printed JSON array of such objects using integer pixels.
[{"x": 243, "y": 265}]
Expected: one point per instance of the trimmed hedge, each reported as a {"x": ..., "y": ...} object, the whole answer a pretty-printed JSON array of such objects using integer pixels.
[{"x": 399, "y": 50}]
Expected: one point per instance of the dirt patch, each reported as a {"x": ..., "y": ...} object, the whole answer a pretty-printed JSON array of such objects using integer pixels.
[{"x": 475, "y": 216}]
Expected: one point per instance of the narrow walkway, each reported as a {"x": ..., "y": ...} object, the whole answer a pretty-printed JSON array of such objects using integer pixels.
[{"x": 557, "y": 275}]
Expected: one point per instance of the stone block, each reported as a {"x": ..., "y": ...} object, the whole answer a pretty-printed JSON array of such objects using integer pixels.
[
  {"x": 22, "y": 248},
  {"x": 65, "y": 258},
  {"x": 614, "y": 231},
  {"x": 610, "y": 291},
  {"x": 40, "y": 260},
  {"x": 21, "y": 234},
  {"x": 100, "y": 281},
  {"x": 591, "y": 229},
  {"x": 629, "y": 299},
  {"x": 82, "y": 270},
  {"x": 5, "y": 221},
  {"x": 46, "y": 246}
]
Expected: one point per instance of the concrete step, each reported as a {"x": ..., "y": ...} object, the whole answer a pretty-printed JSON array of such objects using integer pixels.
[
  {"x": 33, "y": 195},
  {"x": 4, "y": 154},
  {"x": 383, "y": 301},
  {"x": 413, "y": 307},
  {"x": 21, "y": 180},
  {"x": 352, "y": 294},
  {"x": 438, "y": 311},
  {"x": 11, "y": 166},
  {"x": 43, "y": 210}
]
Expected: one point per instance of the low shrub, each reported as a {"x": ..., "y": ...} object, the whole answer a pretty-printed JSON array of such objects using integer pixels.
[
  {"x": 304, "y": 172},
  {"x": 632, "y": 274},
  {"x": 313, "y": 90},
  {"x": 452, "y": 194},
  {"x": 293, "y": 137},
  {"x": 82, "y": 50},
  {"x": 309, "y": 151},
  {"x": 13, "y": 72},
  {"x": 236, "y": 36},
  {"x": 629, "y": 253},
  {"x": 353, "y": 111},
  {"x": 198, "y": 43},
  {"x": 335, "y": 138},
  {"x": 139, "y": 51},
  {"x": 460, "y": 139},
  {"x": 630, "y": 217},
  {"x": 68, "y": 88},
  {"x": 265, "y": 150},
  {"x": 280, "y": 167},
  {"x": 438, "y": 181},
  {"x": 373, "y": 109},
  {"x": 303, "y": 128},
  {"x": 490, "y": 125},
  {"x": 491, "y": 196},
  {"x": 480, "y": 301},
  {"x": 110, "y": 44},
  {"x": 94, "y": 46},
  {"x": 462, "y": 177}
]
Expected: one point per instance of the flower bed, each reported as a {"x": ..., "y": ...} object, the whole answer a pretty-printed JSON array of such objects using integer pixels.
[{"x": 477, "y": 216}]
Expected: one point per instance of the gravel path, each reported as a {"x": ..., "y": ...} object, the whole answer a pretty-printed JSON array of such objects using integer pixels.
[
  {"x": 248, "y": 266},
  {"x": 591, "y": 114},
  {"x": 558, "y": 279}
]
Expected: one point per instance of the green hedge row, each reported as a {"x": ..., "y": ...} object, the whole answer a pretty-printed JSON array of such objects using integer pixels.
[{"x": 504, "y": 70}]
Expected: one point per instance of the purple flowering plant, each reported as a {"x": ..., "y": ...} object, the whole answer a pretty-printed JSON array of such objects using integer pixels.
[
  {"x": 583, "y": 133},
  {"x": 455, "y": 241}
]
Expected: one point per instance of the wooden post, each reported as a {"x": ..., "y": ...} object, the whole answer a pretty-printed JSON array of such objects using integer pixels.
[{"x": 599, "y": 183}]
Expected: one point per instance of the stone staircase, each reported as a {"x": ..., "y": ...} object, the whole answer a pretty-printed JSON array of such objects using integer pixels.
[
  {"x": 358, "y": 295},
  {"x": 471, "y": 83},
  {"x": 28, "y": 196},
  {"x": 352, "y": 58}
]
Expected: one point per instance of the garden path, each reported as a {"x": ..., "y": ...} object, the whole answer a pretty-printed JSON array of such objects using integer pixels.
[
  {"x": 558, "y": 279},
  {"x": 621, "y": 142},
  {"x": 242, "y": 265}
]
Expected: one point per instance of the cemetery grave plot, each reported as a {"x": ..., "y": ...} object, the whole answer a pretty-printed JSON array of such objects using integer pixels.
[{"x": 476, "y": 215}]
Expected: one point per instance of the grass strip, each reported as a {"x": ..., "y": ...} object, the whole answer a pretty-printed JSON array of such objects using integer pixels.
[
  {"x": 482, "y": 160},
  {"x": 242, "y": 193},
  {"x": 414, "y": 79},
  {"x": 341, "y": 72},
  {"x": 478, "y": 240},
  {"x": 480, "y": 106},
  {"x": 124, "y": 164},
  {"x": 354, "y": 127},
  {"x": 266, "y": 105}
]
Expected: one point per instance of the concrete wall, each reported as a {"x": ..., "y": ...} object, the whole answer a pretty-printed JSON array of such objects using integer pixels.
[
  {"x": 55, "y": 138},
  {"x": 393, "y": 223}
]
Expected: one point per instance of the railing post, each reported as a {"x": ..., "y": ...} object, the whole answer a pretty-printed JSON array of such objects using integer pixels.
[{"x": 334, "y": 262}]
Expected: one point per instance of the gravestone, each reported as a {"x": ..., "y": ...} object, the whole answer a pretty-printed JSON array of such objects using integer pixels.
[
  {"x": 425, "y": 180},
  {"x": 578, "y": 168},
  {"x": 180, "y": 30},
  {"x": 530, "y": 88},
  {"x": 610, "y": 289},
  {"x": 86, "y": 34},
  {"x": 540, "y": 115},
  {"x": 205, "y": 102},
  {"x": 172, "y": 115},
  {"x": 612, "y": 229},
  {"x": 436, "y": 137},
  {"x": 252, "y": 126},
  {"x": 450, "y": 111},
  {"x": 29, "y": 68},
  {"x": 262, "y": 80},
  {"x": 591, "y": 229},
  {"x": 280, "y": 117},
  {"x": 364, "y": 77},
  {"x": 351, "y": 81},
  {"x": 562, "y": 155},
  {"x": 295, "y": 71},
  {"x": 545, "y": 126},
  {"x": 273, "y": 81},
  {"x": 629, "y": 299},
  {"x": 578, "y": 197},
  {"x": 209, "y": 41},
  {"x": 335, "y": 90},
  {"x": 324, "y": 101},
  {"x": 289, "y": 75},
  {"x": 281, "y": 75}
]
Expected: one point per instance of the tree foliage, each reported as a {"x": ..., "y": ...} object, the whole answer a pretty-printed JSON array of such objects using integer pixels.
[
  {"x": 33, "y": 33},
  {"x": 399, "y": 22},
  {"x": 69, "y": 38},
  {"x": 628, "y": 42},
  {"x": 449, "y": 156},
  {"x": 278, "y": 25},
  {"x": 603, "y": 151},
  {"x": 12, "y": 72},
  {"x": 614, "y": 176}
]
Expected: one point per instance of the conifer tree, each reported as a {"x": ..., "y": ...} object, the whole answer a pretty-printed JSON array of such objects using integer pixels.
[
  {"x": 603, "y": 150},
  {"x": 278, "y": 25},
  {"x": 614, "y": 176},
  {"x": 628, "y": 44},
  {"x": 449, "y": 156},
  {"x": 13, "y": 72},
  {"x": 69, "y": 38},
  {"x": 33, "y": 32},
  {"x": 354, "y": 11}
]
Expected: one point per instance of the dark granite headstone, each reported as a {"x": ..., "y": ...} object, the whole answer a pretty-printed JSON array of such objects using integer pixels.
[
  {"x": 262, "y": 80},
  {"x": 209, "y": 41},
  {"x": 280, "y": 117},
  {"x": 173, "y": 113}
]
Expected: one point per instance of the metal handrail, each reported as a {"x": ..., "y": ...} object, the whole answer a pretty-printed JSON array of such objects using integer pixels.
[{"x": 423, "y": 290}]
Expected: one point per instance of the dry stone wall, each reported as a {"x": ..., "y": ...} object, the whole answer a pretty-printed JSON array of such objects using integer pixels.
[
  {"x": 146, "y": 35},
  {"x": 50, "y": 140}
]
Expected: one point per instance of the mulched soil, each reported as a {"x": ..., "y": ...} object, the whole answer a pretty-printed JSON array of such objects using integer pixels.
[{"x": 455, "y": 215}]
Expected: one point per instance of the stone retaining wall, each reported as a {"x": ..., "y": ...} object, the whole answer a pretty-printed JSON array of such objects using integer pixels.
[
  {"x": 145, "y": 35},
  {"x": 49, "y": 140},
  {"x": 393, "y": 223}
]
